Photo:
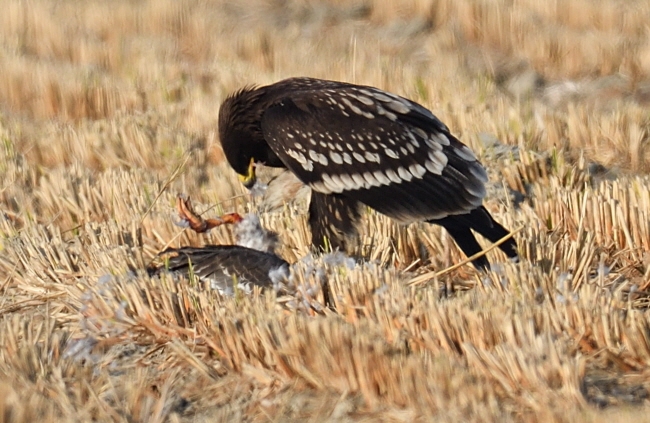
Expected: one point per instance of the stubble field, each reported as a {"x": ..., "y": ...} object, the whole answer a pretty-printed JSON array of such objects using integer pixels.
[{"x": 108, "y": 110}]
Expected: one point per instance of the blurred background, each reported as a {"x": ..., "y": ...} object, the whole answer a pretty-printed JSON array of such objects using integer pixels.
[{"x": 568, "y": 74}]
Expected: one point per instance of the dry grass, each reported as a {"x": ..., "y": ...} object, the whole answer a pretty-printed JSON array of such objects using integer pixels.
[{"x": 108, "y": 109}]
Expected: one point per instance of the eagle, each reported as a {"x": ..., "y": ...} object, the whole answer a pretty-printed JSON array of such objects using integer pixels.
[{"x": 358, "y": 145}]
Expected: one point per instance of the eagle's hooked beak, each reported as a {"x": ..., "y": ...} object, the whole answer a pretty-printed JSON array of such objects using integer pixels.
[{"x": 249, "y": 179}]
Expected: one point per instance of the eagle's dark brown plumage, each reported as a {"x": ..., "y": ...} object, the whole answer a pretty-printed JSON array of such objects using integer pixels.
[{"x": 355, "y": 145}]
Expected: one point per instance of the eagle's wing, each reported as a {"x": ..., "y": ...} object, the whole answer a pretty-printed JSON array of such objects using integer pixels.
[{"x": 380, "y": 149}]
